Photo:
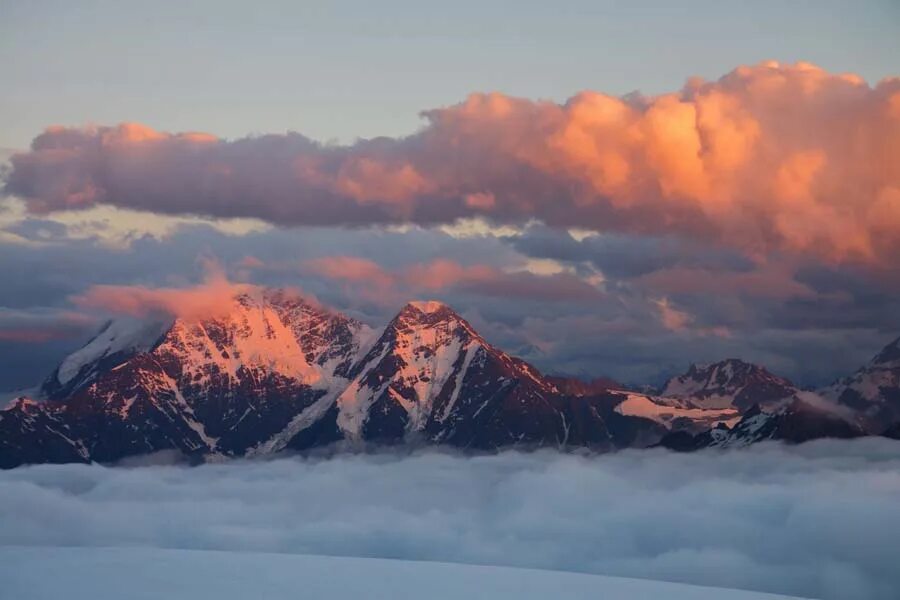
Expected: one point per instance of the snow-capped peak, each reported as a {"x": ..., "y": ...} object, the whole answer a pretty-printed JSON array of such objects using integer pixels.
[
  {"x": 889, "y": 355},
  {"x": 123, "y": 335},
  {"x": 273, "y": 330},
  {"x": 428, "y": 306},
  {"x": 430, "y": 314},
  {"x": 424, "y": 349},
  {"x": 729, "y": 383},
  {"x": 874, "y": 390}
]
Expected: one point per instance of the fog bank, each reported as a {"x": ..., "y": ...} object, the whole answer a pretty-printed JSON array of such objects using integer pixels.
[{"x": 817, "y": 520}]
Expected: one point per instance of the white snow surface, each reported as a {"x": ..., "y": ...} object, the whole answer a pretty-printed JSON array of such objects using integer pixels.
[
  {"x": 715, "y": 386},
  {"x": 663, "y": 412},
  {"x": 125, "y": 334},
  {"x": 427, "y": 306},
  {"x": 270, "y": 330},
  {"x": 262, "y": 333},
  {"x": 428, "y": 355},
  {"x": 152, "y": 574}
]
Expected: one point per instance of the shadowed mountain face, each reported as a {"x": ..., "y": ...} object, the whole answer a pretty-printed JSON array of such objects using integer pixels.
[
  {"x": 730, "y": 383},
  {"x": 221, "y": 385},
  {"x": 272, "y": 372},
  {"x": 874, "y": 390},
  {"x": 865, "y": 403},
  {"x": 795, "y": 423}
]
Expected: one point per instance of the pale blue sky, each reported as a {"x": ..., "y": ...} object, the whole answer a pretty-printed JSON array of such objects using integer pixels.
[{"x": 339, "y": 70}]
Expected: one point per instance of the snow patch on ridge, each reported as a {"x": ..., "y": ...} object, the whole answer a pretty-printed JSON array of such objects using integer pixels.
[
  {"x": 119, "y": 335},
  {"x": 636, "y": 405},
  {"x": 427, "y": 306}
]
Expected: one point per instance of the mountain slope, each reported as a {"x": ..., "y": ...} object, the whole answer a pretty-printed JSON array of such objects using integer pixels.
[
  {"x": 430, "y": 376},
  {"x": 222, "y": 385},
  {"x": 270, "y": 371},
  {"x": 873, "y": 391},
  {"x": 115, "y": 343},
  {"x": 730, "y": 383},
  {"x": 676, "y": 414},
  {"x": 796, "y": 422}
]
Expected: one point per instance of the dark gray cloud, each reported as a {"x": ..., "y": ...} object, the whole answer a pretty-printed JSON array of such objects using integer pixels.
[
  {"x": 817, "y": 520},
  {"x": 618, "y": 333},
  {"x": 623, "y": 256}
]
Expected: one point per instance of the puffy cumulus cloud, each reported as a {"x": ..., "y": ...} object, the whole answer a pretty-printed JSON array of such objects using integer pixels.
[
  {"x": 771, "y": 157},
  {"x": 817, "y": 520}
]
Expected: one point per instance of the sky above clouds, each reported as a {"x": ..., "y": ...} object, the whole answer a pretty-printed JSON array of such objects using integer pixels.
[{"x": 604, "y": 190}]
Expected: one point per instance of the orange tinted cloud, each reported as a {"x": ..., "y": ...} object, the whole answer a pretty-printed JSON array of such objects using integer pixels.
[
  {"x": 769, "y": 158},
  {"x": 350, "y": 268},
  {"x": 211, "y": 298},
  {"x": 672, "y": 318},
  {"x": 443, "y": 274}
]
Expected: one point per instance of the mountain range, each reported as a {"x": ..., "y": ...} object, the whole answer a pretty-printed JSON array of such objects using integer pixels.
[{"x": 271, "y": 371}]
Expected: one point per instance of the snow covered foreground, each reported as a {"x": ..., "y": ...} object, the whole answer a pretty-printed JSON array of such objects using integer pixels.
[{"x": 49, "y": 573}]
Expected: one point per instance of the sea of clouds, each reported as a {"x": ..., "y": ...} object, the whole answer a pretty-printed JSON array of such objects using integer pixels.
[{"x": 818, "y": 520}]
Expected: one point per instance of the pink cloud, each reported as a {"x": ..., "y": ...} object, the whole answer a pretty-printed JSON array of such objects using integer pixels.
[
  {"x": 672, "y": 318},
  {"x": 211, "y": 298},
  {"x": 443, "y": 274},
  {"x": 769, "y": 158},
  {"x": 351, "y": 268},
  {"x": 680, "y": 321},
  {"x": 250, "y": 262}
]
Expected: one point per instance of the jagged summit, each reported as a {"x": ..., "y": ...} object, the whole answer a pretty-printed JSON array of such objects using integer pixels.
[
  {"x": 423, "y": 351},
  {"x": 429, "y": 314},
  {"x": 874, "y": 390},
  {"x": 730, "y": 363},
  {"x": 118, "y": 340},
  {"x": 730, "y": 383},
  {"x": 427, "y": 306},
  {"x": 271, "y": 328},
  {"x": 269, "y": 370},
  {"x": 888, "y": 354}
]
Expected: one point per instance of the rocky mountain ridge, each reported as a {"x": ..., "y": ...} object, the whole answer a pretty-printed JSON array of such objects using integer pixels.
[{"x": 271, "y": 371}]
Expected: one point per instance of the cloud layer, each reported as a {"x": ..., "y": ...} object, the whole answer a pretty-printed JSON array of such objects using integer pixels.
[
  {"x": 817, "y": 520},
  {"x": 771, "y": 157}
]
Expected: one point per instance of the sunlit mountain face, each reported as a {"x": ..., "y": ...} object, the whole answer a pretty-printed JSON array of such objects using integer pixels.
[
  {"x": 750, "y": 216},
  {"x": 474, "y": 299},
  {"x": 271, "y": 371}
]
